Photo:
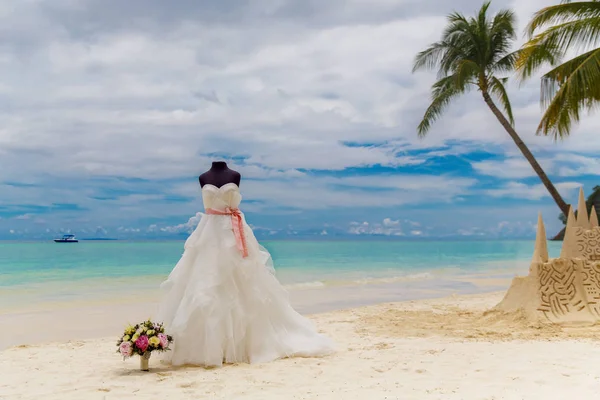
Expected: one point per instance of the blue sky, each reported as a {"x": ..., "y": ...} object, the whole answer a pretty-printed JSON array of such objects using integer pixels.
[{"x": 110, "y": 110}]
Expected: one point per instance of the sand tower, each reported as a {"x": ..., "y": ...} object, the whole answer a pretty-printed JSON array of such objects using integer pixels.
[{"x": 564, "y": 289}]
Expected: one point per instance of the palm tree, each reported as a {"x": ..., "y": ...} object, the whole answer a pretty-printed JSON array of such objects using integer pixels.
[
  {"x": 470, "y": 54},
  {"x": 593, "y": 200},
  {"x": 572, "y": 86}
]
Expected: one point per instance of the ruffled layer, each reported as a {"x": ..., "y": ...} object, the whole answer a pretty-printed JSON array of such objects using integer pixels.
[{"x": 221, "y": 307}]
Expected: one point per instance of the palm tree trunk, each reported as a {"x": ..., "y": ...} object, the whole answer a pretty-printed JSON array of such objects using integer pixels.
[{"x": 564, "y": 207}]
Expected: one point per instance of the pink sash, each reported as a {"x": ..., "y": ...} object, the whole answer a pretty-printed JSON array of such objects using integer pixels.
[{"x": 237, "y": 224}]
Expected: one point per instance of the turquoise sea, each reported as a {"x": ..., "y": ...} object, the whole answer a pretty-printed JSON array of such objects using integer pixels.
[{"x": 39, "y": 274}]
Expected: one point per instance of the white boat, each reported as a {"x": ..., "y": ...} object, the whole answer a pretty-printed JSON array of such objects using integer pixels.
[{"x": 67, "y": 239}]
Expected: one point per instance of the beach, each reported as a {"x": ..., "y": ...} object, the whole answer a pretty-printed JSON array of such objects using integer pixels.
[
  {"x": 105, "y": 285},
  {"x": 211, "y": 177},
  {"x": 445, "y": 348},
  {"x": 405, "y": 328}
]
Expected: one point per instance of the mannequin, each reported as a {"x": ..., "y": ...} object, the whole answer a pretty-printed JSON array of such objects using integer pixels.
[{"x": 219, "y": 174}]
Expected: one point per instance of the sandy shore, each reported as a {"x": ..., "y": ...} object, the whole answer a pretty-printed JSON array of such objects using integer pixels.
[
  {"x": 90, "y": 318},
  {"x": 447, "y": 348}
]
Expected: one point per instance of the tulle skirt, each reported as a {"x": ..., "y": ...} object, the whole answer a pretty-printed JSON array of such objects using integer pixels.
[{"x": 223, "y": 308}]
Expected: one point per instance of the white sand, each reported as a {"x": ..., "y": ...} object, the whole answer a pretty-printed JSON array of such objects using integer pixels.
[{"x": 433, "y": 349}]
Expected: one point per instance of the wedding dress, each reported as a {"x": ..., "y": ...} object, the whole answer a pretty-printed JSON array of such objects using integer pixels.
[{"x": 222, "y": 301}]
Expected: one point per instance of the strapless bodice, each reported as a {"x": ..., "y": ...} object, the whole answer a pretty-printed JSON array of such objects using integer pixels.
[{"x": 220, "y": 198}]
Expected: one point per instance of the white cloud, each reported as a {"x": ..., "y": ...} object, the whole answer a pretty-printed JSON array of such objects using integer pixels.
[
  {"x": 142, "y": 89},
  {"x": 531, "y": 192},
  {"x": 560, "y": 164},
  {"x": 100, "y": 231},
  {"x": 354, "y": 191},
  {"x": 187, "y": 227},
  {"x": 474, "y": 231},
  {"x": 580, "y": 165},
  {"x": 387, "y": 227},
  {"x": 502, "y": 229},
  {"x": 123, "y": 229},
  {"x": 510, "y": 168},
  {"x": 390, "y": 222},
  {"x": 137, "y": 103}
]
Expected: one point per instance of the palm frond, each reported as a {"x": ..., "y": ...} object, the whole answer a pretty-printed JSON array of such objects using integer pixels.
[
  {"x": 482, "y": 14},
  {"x": 481, "y": 30},
  {"x": 561, "y": 13},
  {"x": 459, "y": 40},
  {"x": 504, "y": 23},
  {"x": 567, "y": 90},
  {"x": 534, "y": 55},
  {"x": 466, "y": 72},
  {"x": 430, "y": 57},
  {"x": 477, "y": 48},
  {"x": 583, "y": 70},
  {"x": 497, "y": 88},
  {"x": 443, "y": 92},
  {"x": 579, "y": 34},
  {"x": 502, "y": 34},
  {"x": 506, "y": 63},
  {"x": 468, "y": 54}
]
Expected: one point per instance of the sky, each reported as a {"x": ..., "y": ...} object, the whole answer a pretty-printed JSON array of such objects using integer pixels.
[{"x": 109, "y": 111}]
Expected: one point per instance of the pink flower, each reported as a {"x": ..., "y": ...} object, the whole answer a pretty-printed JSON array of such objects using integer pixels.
[
  {"x": 142, "y": 343},
  {"x": 164, "y": 342},
  {"x": 126, "y": 349}
]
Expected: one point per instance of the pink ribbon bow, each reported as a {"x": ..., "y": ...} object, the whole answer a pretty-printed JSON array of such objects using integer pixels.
[{"x": 237, "y": 224}]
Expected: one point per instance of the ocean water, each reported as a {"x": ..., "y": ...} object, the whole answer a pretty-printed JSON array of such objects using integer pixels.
[{"x": 36, "y": 275}]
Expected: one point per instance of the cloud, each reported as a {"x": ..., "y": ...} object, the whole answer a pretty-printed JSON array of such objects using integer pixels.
[
  {"x": 474, "y": 231},
  {"x": 146, "y": 90},
  {"x": 390, "y": 222},
  {"x": 116, "y": 107},
  {"x": 123, "y": 229},
  {"x": 503, "y": 229},
  {"x": 387, "y": 227},
  {"x": 510, "y": 168},
  {"x": 366, "y": 228},
  {"x": 355, "y": 191},
  {"x": 187, "y": 227},
  {"x": 531, "y": 192},
  {"x": 577, "y": 165},
  {"x": 561, "y": 165}
]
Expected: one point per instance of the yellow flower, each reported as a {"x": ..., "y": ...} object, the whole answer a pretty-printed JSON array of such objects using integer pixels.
[
  {"x": 150, "y": 332},
  {"x": 144, "y": 329},
  {"x": 154, "y": 341},
  {"x": 126, "y": 338},
  {"x": 129, "y": 330},
  {"x": 135, "y": 337}
]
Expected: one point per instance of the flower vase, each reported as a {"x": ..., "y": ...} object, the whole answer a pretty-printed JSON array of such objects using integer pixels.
[{"x": 144, "y": 359}]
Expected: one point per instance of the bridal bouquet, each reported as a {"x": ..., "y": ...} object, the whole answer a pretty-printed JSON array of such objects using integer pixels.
[{"x": 142, "y": 339}]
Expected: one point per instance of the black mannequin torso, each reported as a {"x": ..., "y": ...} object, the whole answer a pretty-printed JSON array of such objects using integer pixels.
[{"x": 219, "y": 174}]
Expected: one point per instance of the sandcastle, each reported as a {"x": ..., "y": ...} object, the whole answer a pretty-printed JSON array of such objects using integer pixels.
[{"x": 564, "y": 289}]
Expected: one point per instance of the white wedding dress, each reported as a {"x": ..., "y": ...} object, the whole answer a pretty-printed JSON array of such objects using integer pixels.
[{"x": 223, "y": 307}]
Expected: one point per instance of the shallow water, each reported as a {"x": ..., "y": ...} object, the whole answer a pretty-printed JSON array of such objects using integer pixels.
[{"x": 49, "y": 275}]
